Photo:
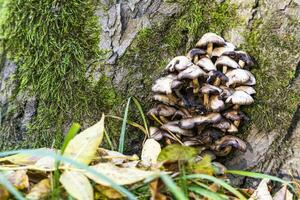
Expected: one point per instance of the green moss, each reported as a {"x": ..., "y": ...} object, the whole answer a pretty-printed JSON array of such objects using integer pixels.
[{"x": 275, "y": 55}]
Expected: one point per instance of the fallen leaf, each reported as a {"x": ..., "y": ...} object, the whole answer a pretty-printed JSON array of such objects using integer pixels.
[
  {"x": 40, "y": 191},
  {"x": 109, "y": 192},
  {"x": 83, "y": 147},
  {"x": 18, "y": 178},
  {"x": 262, "y": 191},
  {"x": 120, "y": 176},
  {"x": 115, "y": 157},
  {"x": 150, "y": 152},
  {"x": 4, "y": 194},
  {"x": 175, "y": 152},
  {"x": 204, "y": 166},
  {"x": 47, "y": 163},
  {"x": 283, "y": 194},
  {"x": 77, "y": 185}
]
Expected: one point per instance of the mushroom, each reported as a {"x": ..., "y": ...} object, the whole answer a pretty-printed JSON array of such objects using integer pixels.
[
  {"x": 195, "y": 54},
  {"x": 179, "y": 63},
  {"x": 206, "y": 90},
  {"x": 166, "y": 99},
  {"x": 226, "y": 92},
  {"x": 208, "y": 41},
  {"x": 206, "y": 64},
  {"x": 249, "y": 90},
  {"x": 222, "y": 124},
  {"x": 241, "y": 57},
  {"x": 190, "y": 123},
  {"x": 240, "y": 76},
  {"x": 162, "y": 111},
  {"x": 156, "y": 133},
  {"x": 192, "y": 72},
  {"x": 216, "y": 77},
  {"x": 215, "y": 104},
  {"x": 235, "y": 116},
  {"x": 217, "y": 52},
  {"x": 174, "y": 128},
  {"x": 223, "y": 146},
  {"x": 239, "y": 98},
  {"x": 225, "y": 62}
]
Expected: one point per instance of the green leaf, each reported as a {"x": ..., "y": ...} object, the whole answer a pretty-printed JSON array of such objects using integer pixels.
[
  {"x": 176, "y": 191},
  {"x": 70, "y": 135},
  {"x": 206, "y": 193},
  {"x": 204, "y": 166},
  {"x": 175, "y": 152},
  {"x": 123, "y": 129}
]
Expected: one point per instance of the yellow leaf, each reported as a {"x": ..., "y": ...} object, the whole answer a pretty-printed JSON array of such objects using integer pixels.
[
  {"x": 4, "y": 194},
  {"x": 283, "y": 194},
  {"x": 109, "y": 192},
  {"x": 176, "y": 152},
  {"x": 77, "y": 185},
  {"x": 47, "y": 163},
  {"x": 18, "y": 178},
  {"x": 204, "y": 166},
  {"x": 40, "y": 191},
  {"x": 121, "y": 176},
  {"x": 150, "y": 152},
  {"x": 83, "y": 147},
  {"x": 262, "y": 191}
]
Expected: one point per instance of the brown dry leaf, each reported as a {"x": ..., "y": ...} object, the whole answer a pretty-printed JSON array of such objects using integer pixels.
[
  {"x": 77, "y": 185},
  {"x": 18, "y": 178},
  {"x": 4, "y": 194},
  {"x": 83, "y": 147},
  {"x": 24, "y": 159},
  {"x": 40, "y": 191},
  {"x": 155, "y": 194},
  {"x": 109, "y": 192},
  {"x": 150, "y": 152},
  {"x": 121, "y": 176},
  {"x": 283, "y": 194},
  {"x": 262, "y": 192}
]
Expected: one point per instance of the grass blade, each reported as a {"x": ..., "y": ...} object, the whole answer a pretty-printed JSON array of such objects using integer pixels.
[
  {"x": 219, "y": 182},
  {"x": 134, "y": 124},
  {"x": 123, "y": 129},
  {"x": 70, "y": 135},
  {"x": 108, "y": 140},
  {"x": 10, "y": 187},
  {"x": 206, "y": 193},
  {"x": 139, "y": 107},
  {"x": 175, "y": 190},
  {"x": 76, "y": 164}
]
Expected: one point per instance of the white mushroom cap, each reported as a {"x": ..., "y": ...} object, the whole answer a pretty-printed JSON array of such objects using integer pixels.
[
  {"x": 192, "y": 72},
  {"x": 240, "y": 76},
  {"x": 247, "y": 89},
  {"x": 210, "y": 89},
  {"x": 226, "y": 91},
  {"x": 240, "y": 98},
  {"x": 220, "y": 50},
  {"x": 210, "y": 38},
  {"x": 216, "y": 105},
  {"x": 226, "y": 61},
  {"x": 179, "y": 63},
  {"x": 189, "y": 123},
  {"x": 206, "y": 64},
  {"x": 164, "y": 84},
  {"x": 174, "y": 128}
]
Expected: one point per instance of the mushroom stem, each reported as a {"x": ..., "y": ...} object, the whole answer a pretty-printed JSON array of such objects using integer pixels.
[
  {"x": 217, "y": 82},
  {"x": 206, "y": 100},
  {"x": 209, "y": 48},
  {"x": 196, "y": 86},
  {"x": 236, "y": 107},
  {"x": 242, "y": 63},
  {"x": 237, "y": 123},
  {"x": 224, "y": 70}
]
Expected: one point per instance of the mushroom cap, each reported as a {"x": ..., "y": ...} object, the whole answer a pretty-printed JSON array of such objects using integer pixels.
[
  {"x": 210, "y": 38},
  {"x": 225, "y": 60},
  {"x": 212, "y": 75},
  {"x": 226, "y": 92},
  {"x": 235, "y": 115},
  {"x": 229, "y": 140},
  {"x": 240, "y": 98},
  {"x": 178, "y": 63},
  {"x": 164, "y": 99},
  {"x": 217, "y": 52},
  {"x": 195, "y": 52},
  {"x": 156, "y": 133},
  {"x": 189, "y": 123},
  {"x": 191, "y": 72},
  {"x": 247, "y": 89},
  {"x": 239, "y": 55},
  {"x": 174, "y": 128},
  {"x": 164, "y": 84},
  {"x": 223, "y": 124},
  {"x": 240, "y": 76},
  {"x": 162, "y": 110},
  {"x": 210, "y": 89},
  {"x": 232, "y": 129},
  {"x": 206, "y": 64},
  {"x": 216, "y": 105}
]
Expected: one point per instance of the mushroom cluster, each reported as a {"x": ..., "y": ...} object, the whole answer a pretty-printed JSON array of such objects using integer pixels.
[{"x": 199, "y": 97}]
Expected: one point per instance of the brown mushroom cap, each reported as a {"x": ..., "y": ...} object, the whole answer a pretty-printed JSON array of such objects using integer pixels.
[
  {"x": 162, "y": 110},
  {"x": 215, "y": 104},
  {"x": 165, "y": 99},
  {"x": 240, "y": 98},
  {"x": 232, "y": 129},
  {"x": 239, "y": 55},
  {"x": 179, "y": 63},
  {"x": 192, "y": 72},
  {"x": 229, "y": 140},
  {"x": 210, "y": 89},
  {"x": 217, "y": 52},
  {"x": 212, "y": 75},
  {"x": 156, "y": 133},
  {"x": 206, "y": 64},
  {"x": 249, "y": 90},
  {"x": 210, "y": 38},
  {"x": 190, "y": 123},
  {"x": 223, "y": 124},
  {"x": 164, "y": 84},
  {"x": 174, "y": 128},
  {"x": 235, "y": 115},
  {"x": 226, "y": 92},
  {"x": 196, "y": 53},
  {"x": 226, "y": 61}
]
